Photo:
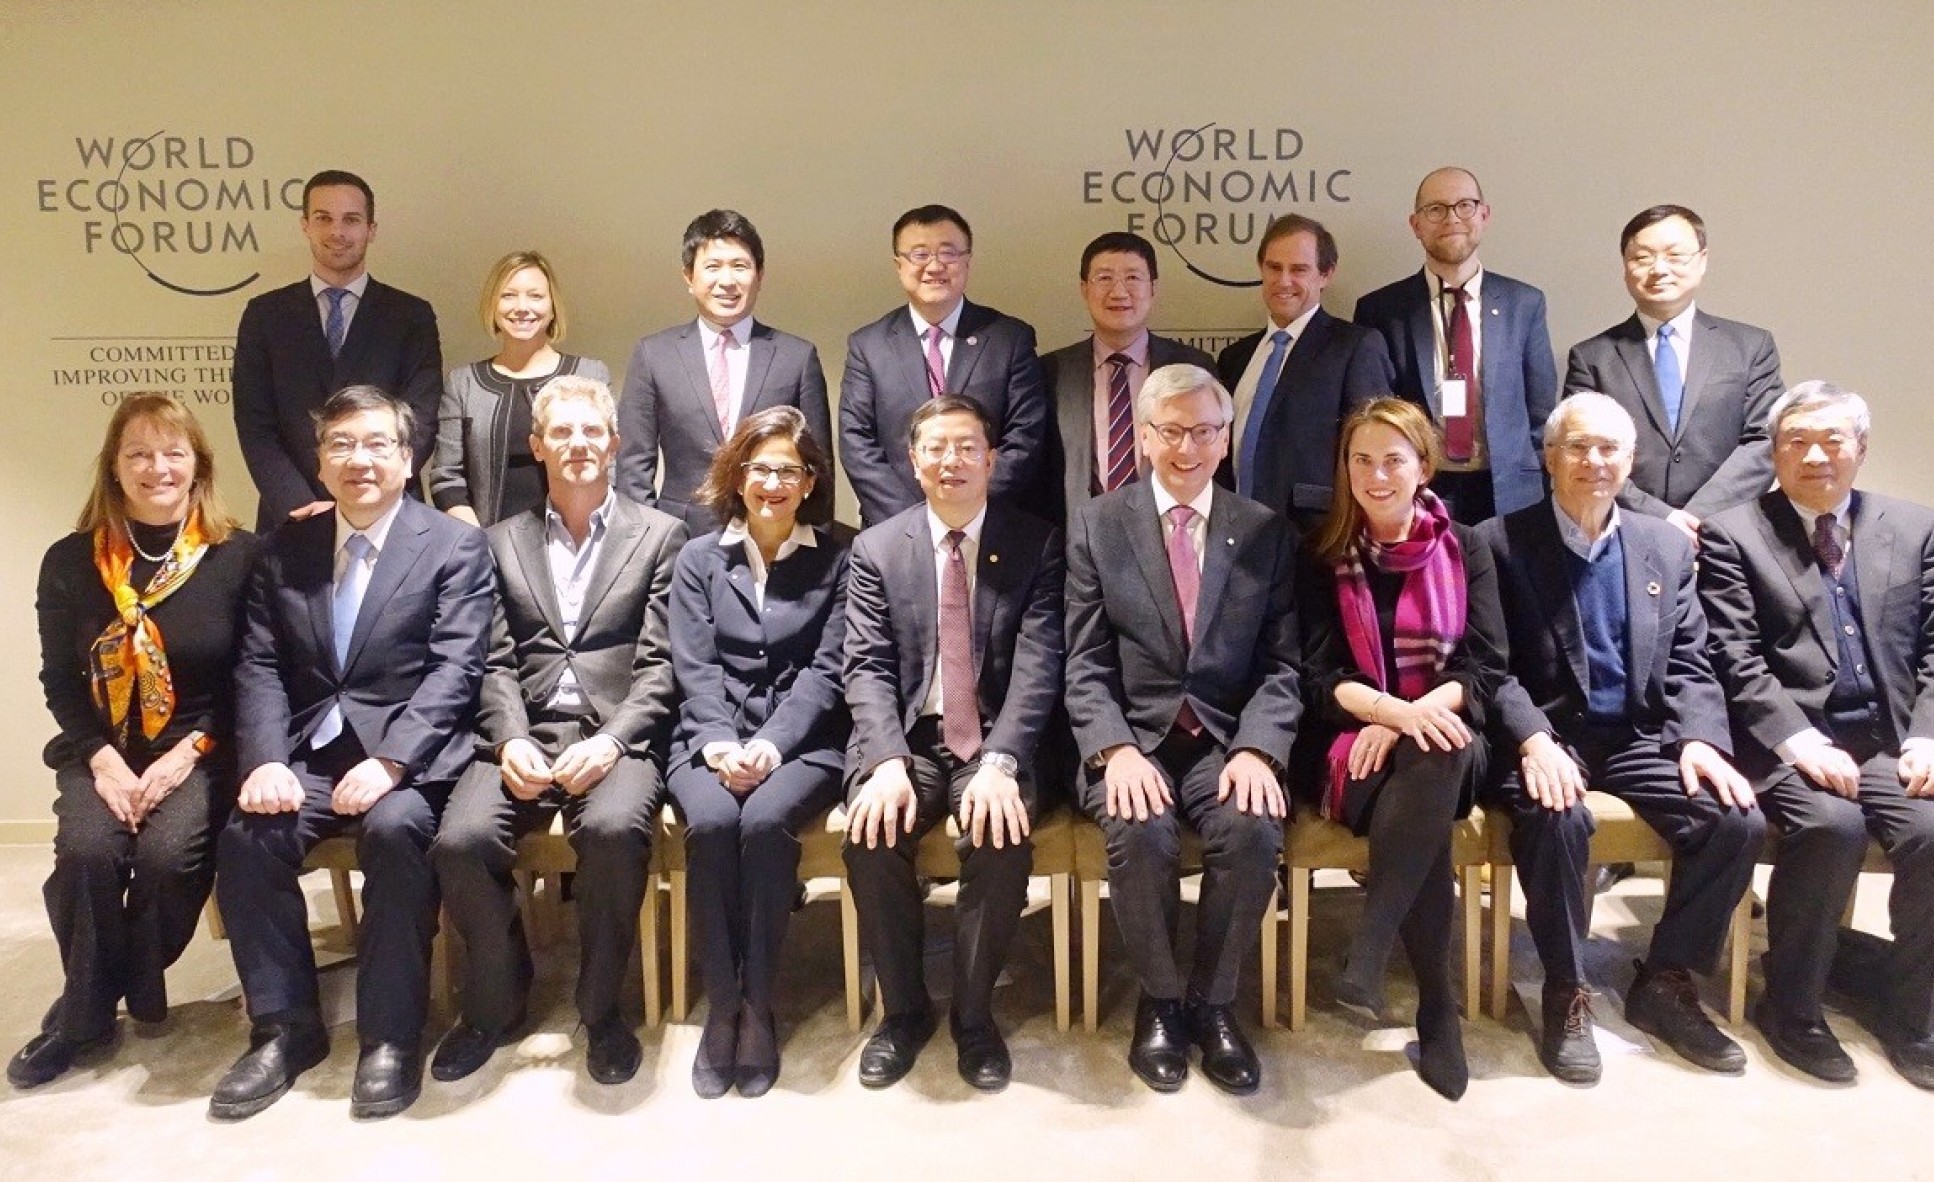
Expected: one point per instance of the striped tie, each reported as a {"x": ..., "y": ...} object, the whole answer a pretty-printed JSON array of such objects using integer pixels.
[{"x": 1121, "y": 425}]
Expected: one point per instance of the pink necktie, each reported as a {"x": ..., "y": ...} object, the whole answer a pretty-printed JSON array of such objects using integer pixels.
[
  {"x": 936, "y": 365},
  {"x": 1188, "y": 585},
  {"x": 1121, "y": 425},
  {"x": 1460, "y": 431},
  {"x": 722, "y": 384},
  {"x": 959, "y": 701}
]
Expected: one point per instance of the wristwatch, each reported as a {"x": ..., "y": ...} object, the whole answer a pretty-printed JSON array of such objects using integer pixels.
[
  {"x": 202, "y": 742},
  {"x": 1001, "y": 762}
]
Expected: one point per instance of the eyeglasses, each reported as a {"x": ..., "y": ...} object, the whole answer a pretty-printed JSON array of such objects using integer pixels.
[
  {"x": 1677, "y": 260},
  {"x": 342, "y": 448},
  {"x": 920, "y": 256},
  {"x": 1202, "y": 434},
  {"x": 967, "y": 453},
  {"x": 1106, "y": 281},
  {"x": 789, "y": 475},
  {"x": 1437, "y": 211}
]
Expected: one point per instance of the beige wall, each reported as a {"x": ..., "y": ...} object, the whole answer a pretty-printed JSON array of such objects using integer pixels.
[{"x": 594, "y": 131}]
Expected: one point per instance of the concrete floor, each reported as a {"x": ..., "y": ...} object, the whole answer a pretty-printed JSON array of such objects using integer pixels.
[{"x": 1339, "y": 1099}]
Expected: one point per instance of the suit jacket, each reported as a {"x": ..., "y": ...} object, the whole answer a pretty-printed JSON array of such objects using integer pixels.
[
  {"x": 1772, "y": 629},
  {"x": 886, "y": 381},
  {"x": 750, "y": 674},
  {"x": 408, "y": 689},
  {"x": 1333, "y": 368},
  {"x": 1517, "y": 377},
  {"x": 1720, "y": 455},
  {"x": 893, "y": 637},
  {"x": 1070, "y": 453},
  {"x": 283, "y": 372},
  {"x": 1671, "y": 688},
  {"x": 667, "y": 409},
  {"x": 1129, "y": 669},
  {"x": 621, "y": 652}
]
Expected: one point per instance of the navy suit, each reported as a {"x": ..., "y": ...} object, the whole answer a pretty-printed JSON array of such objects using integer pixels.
[
  {"x": 283, "y": 372},
  {"x": 1517, "y": 377},
  {"x": 1332, "y": 369},
  {"x": 885, "y": 381},
  {"x": 407, "y": 691},
  {"x": 667, "y": 410}
]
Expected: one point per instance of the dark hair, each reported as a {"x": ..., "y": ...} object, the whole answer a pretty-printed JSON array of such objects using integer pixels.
[
  {"x": 354, "y": 400},
  {"x": 932, "y": 215},
  {"x": 1296, "y": 223},
  {"x": 1119, "y": 242},
  {"x": 1655, "y": 215},
  {"x": 1336, "y": 538},
  {"x": 951, "y": 404},
  {"x": 330, "y": 177},
  {"x": 723, "y": 225},
  {"x": 720, "y": 490},
  {"x": 106, "y": 505}
]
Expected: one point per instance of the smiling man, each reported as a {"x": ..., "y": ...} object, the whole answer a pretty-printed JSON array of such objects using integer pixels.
[
  {"x": 297, "y": 345},
  {"x": 687, "y": 387}
]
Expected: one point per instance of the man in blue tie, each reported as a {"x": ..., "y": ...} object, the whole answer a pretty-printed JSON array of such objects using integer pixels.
[
  {"x": 1294, "y": 381},
  {"x": 1697, "y": 386}
]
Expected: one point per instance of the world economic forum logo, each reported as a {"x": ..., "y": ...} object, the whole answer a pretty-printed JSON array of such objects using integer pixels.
[
  {"x": 186, "y": 210},
  {"x": 1206, "y": 194}
]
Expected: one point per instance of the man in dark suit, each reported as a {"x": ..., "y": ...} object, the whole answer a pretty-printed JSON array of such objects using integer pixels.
[
  {"x": 1471, "y": 345},
  {"x": 1292, "y": 394},
  {"x": 941, "y": 343},
  {"x": 1092, "y": 383},
  {"x": 953, "y": 665},
  {"x": 1183, "y": 690},
  {"x": 299, "y": 344},
  {"x": 1701, "y": 404},
  {"x": 1822, "y": 607},
  {"x": 576, "y": 709},
  {"x": 688, "y": 386},
  {"x": 1610, "y": 688},
  {"x": 362, "y": 650}
]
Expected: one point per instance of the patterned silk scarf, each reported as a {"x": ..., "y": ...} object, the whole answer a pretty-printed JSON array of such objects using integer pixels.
[
  {"x": 1429, "y": 621},
  {"x": 127, "y": 661}
]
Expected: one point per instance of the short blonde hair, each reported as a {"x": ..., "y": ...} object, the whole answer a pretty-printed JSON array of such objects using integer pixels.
[{"x": 500, "y": 274}]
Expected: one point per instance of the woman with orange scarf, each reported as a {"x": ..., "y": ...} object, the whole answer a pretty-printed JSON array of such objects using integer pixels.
[{"x": 139, "y": 611}]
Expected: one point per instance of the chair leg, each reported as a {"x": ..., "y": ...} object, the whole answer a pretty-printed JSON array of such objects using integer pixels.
[
  {"x": 443, "y": 964},
  {"x": 1272, "y": 981},
  {"x": 526, "y": 881},
  {"x": 212, "y": 915},
  {"x": 1058, "y": 907},
  {"x": 345, "y": 904},
  {"x": 553, "y": 907},
  {"x": 1737, "y": 958},
  {"x": 1501, "y": 876},
  {"x": 648, "y": 952},
  {"x": 849, "y": 932},
  {"x": 1090, "y": 954},
  {"x": 681, "y": 948},
  {"x": 1472, "y": 889},
  {"x": 1299, "y": 877}
]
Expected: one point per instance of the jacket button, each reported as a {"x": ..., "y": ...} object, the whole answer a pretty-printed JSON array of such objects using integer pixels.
[{"x": 1677, "y": 456}]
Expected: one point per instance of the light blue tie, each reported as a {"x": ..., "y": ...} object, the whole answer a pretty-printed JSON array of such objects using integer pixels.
[
  {"x": 1672, "y": 385},
  {"x": 347, "y": 601},
  {"x": 1258, "y": 411},
  {"x": 334, "y": 328}
]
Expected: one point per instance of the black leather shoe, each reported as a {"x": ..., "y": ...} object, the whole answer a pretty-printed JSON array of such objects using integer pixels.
[
  {"x": 613, "y": 1054},
  {"x": 1809, "y": 1046},
  {"x": 1665, "y": 1004},
  {"x": 890, "y": 1053},
  {"x": 1159, "y": 1053},
  {"x": 981, "y": 1055},
  {"x": 1912, "y": 1057},
  {"x": 1567, "y": 1048},
  {"x": 1227, "y": 1058},
  {"x": 277, "y": 1053},
  {"x": 466, "y": 1048},
  {"x": 47, "y": 1057},
  {"x": 757, "y": 1066},
  {"x": 389, "y": 1078}
]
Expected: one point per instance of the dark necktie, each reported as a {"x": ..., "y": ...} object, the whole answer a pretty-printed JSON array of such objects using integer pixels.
[
  {"x": 959, "y": 701},
  {"x": 1672, "y": 386},
  {"x": 1258, "y": 411},
  {"x": 1187, "y": 572},
  {"x": 1121, "y": 425},
  {"x": 1460, "y": 431},
  {"x": 1827, "y": 547},
  {"x": 334, "y": 329},
  {"x": 936, "y": 364}
]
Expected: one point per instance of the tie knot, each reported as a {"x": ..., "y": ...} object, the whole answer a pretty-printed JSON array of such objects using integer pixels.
[
  {"x": 727, "y": 340},
  {"x": 1120, "y": 360},
  {"x": 1459, "y": 294},
  {"x": 335, "y": 295},
  {"x": 1665, "y": 332},
  {"x": 1280, "y": 337},
  {"x": 1182, "y": 516},
  {"x": 936, "y": 334},
  {"x": 954, "y": 538},
  {"x": 1823, "y": 533},
  {"x": 358, "y": 547}
]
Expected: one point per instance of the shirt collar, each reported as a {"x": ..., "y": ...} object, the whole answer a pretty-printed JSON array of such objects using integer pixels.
[
  {"x": 1165, "y": 500},
  {"x": 1137, "y": 350},
  {"x": 1296, "y": 327},
  {"x": 710, "y": 333},
  {"x": 1474, "y": 285},
  {"x": 1573, "y": 534},
  {"x": 1681, "y": 324},
  {"x": 355, "y": 287},
  {"x": 940, "y": 528},
  {"x": 735, "y": 533},
  {"x": 1808, "y": 517},
  {"x": 377, "y": 533},
  {"x": 949, "y": 325}
]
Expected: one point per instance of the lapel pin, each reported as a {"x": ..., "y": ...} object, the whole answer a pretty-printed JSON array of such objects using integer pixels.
[
  {"x": 993, "y": 558},
  {"x": 1229, "y": 541},
  {"x": 1651, "y": 588},
  {"x": 973, "y": 340}
]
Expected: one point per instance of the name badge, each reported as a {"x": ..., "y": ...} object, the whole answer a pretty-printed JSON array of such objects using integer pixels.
[{"x": 1455, "y": 399}]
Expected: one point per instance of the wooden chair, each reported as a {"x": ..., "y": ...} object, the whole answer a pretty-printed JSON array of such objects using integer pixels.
[{"x": 1738, "y": 967}]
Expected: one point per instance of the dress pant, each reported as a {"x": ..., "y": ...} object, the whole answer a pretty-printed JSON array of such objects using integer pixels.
[
  {"x": 993, "y": 891},
  {"x": 1823, "y": 840},
  {"x": 1713, "y": 851},
  {"x": 259, "y": 863},
  {"x": 1240, "y": 853},
  {"x": 124, "y": 905},
  {"x": 609, "y": 828},
  {"x": 742, "y": 853}
]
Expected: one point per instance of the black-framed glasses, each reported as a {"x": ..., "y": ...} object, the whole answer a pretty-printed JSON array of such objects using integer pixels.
[
  {"x": 1437, "y": 211},
  {"x": 1201, "y": 434},
  {"x": 788, "y": 475}
]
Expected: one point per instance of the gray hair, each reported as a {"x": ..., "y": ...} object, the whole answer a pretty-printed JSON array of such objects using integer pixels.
[
  {"x": 1176, "y": 381},
  {"x": 574, "y": 388},
  {"x": 1587, "y": 400},
  {"x": 1807, "y": 397}
]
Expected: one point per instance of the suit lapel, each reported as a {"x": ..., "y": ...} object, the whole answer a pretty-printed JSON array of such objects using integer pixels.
[
  {"x": 624, "y": 530},
  {"x": 1873, "y": 556},
  {"x": 1422, "y": 328},
  {"x": 918, "y": 556},
  {"x": 398, "y": 559},
  {"x": 908, "y": 350},
  {"x": 1219, "y": 549},
  {"x": 698, "y": 377},
  {"x": 1647, "y": 593},
  {"x": 1548, "y": 558},
  {"x": 1629, "y": 344},
  {"x": 315, "y": 563},
  {"x": 758, "y": 364},
  {"x": 527, "y": 544},
  {"x": 967, "y": 348},
  {"x": 1698, "y": 364},
  {"x": 990, "y": 583},
  {"x": 369, "y": 310},
  {"x": 1144, "y": 529},
  {"x": 1787, "y": 539}
]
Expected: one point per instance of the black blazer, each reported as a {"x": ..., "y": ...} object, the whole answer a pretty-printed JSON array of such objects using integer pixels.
[
  {"x": 886, "y": 381},
  {"x": 893, "y": 633},
  {"x": 1129, "y": 670},
  {"x": 1069, "y": 465},
  {"x": 621, "y": 653},
  {"x": 283, "y": 372},
  {"x": 1331, "y": 370},
  {"x": 1772, "y": 630},
  {"x": 409, "y": 688},
  {"x": 747, "y": 674},
  {"x": 667, "y": 410},
  {"x": 1672, "y": 688}
]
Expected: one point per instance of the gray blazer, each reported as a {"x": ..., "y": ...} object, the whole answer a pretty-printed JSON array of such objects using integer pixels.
[
  {"x": 1772, "y": 630},
  {"x": 472, "y": 446},
  {"x": 1070, "y": 374},
  {"x": 622, "y": 650}
]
